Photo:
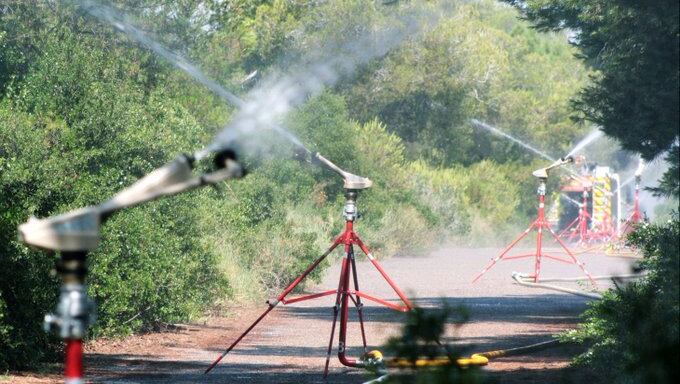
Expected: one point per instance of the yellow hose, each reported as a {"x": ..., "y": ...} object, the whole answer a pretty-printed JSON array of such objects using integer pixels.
[
  {"x": 440, "y": 361},
  {"x": 477, "y": 359}
]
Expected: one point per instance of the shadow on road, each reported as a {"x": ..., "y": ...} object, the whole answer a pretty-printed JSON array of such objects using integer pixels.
[{"x": 543, "y": 309}]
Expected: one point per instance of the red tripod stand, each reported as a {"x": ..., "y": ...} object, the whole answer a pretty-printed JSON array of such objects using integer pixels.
[
  {"x": 343, "y": 294},
  {"x": 539, "y": 225},
  {"x": 578, "y": 228},
  {"x": 636, "y": 216}
]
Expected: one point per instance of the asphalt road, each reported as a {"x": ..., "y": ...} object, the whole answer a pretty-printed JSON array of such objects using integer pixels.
[{"x": 290, "y": 345}]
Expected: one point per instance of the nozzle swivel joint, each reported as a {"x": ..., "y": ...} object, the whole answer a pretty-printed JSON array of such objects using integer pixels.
[{"x": 542, "y": 173}]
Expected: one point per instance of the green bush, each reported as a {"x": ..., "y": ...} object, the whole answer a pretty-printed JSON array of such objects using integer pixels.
[
  {"x": 420, "y": 339},
  {"x": 81, "y": 126},
  {"x": 152, "y": 269},
  {"x": 632, "y": 332}
]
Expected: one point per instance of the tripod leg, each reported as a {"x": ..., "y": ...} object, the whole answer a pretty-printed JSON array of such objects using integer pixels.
[
  {"x": 360, "y": 305},
  {"x": 344, "y": 314},
  {"x": 276, "y": 302},
  {"x": 336, "y": 310},
  {"x": 504, "y": 252},
  {"x": 380, "y": 269},
  {"x": 539, "y": 250},
  {"x": 568, "y": 227},
  {"x": 580, "y": 265}
]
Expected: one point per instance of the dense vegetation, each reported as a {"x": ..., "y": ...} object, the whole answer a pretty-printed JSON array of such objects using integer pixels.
[
  {"x": 635, "y": 48},
  {"x": 85, "y": 111},
  {"x": 632, "y": 332}
]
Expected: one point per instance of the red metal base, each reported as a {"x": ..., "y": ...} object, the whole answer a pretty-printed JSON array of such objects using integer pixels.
[
  {"x": 635, "y": 217},
  {"x": 577, "y": 231},
  {"x": 73, "y": 361},
  {"x": 539, "y": 225},
  {"x": 343, "y": 295}
]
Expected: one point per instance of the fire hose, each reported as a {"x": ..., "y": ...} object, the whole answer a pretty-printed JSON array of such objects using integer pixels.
[
  {"x": 482, "y": 358},
  {"x": 477, "y": 359},
  {"x": 521, "y": 279}
]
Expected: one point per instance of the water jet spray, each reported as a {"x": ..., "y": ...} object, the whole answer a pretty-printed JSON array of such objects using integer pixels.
[{"x": 539, "y": 225}]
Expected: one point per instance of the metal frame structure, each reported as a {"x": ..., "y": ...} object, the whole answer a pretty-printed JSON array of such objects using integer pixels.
[
  {"x": 578, "y": 228},
  {"x": 540, "y": 224},
  {"x": 347, "y": 291}
]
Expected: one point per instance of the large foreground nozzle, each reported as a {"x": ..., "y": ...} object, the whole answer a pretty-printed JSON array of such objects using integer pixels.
[
  {"x": 73, "y": 231},
  {"x": 79, "y": 230},
  {"x": 351, "y": 181},
  {"x": 173, "y": 178},
  {"x": 542, "y": 173},
  {"x": 163, "y": 179},
  {"x": 302, "y": 155}
]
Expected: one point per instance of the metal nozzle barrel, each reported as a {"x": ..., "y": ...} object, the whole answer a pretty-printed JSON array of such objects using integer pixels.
[
  {"x": 79, "y": 230},
  {"x": 542, "y": 173},
  {"x": 351, "y": 181}
]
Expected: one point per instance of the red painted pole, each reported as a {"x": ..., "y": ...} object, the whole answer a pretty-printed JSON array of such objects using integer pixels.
[
  {"x": 336, "y": 310},
  {"x": 281, "y": 297},
  {"x": 505, "y": 251},
  {"x": 343, "y": 294},
  {"x": 358, "y": 303},
  {"x": 539, "y": 237},
  {"x": 344, "y": 312},
  {"x": 384, "y": 274},
  {"x": 73, "y": 371}
]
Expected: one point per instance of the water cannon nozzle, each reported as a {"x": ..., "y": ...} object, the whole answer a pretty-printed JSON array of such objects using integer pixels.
[
  {"x": 222, "y": 158},
  {"x": 302, "y": 154},
  {"x": 351, "y": 181},
  {"x": 542, "y": 173}
]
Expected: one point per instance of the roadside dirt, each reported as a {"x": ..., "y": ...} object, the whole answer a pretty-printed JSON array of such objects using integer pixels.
[{"x": 289, "y": 346}]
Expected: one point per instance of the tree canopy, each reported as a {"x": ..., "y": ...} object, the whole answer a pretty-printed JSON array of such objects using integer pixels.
[{"x": 634, "y": 48}]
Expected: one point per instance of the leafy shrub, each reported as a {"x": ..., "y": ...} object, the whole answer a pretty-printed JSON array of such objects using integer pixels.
[
  {"x": 633, "y": 331},
  {"x": 151, "y": 268},
  {"x": 420, "y": 339}
]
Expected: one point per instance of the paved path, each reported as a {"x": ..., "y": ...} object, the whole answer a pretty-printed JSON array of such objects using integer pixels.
[{"x": 290, "y": 345}]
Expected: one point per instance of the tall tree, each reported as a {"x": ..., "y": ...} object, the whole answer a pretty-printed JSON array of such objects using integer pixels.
[{"x": 633, "y": 45}]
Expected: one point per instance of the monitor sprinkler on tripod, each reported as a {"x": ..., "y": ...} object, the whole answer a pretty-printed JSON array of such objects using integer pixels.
[
  {"x": 539, "y": 224},
  {"x": 74, "y": 234},
  {"x": 352, "y": 185},
  {"x": 636, "y": 215},
  {"x": 578, "y": 228}
]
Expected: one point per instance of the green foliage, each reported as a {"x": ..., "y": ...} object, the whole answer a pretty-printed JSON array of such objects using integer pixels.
[
  {"x": 669, "y": 185},
  {"x": 634, "y": 47},
  {"x": 633, "y": 331},
  {"x": 477, "y": 201},
  {"x": 85, "y": 111},
  {"x": 479, "y": 63},
  {"x": 419, "y": 340},
  {"x": 152, "y": 269},
  {"x": 83, "y": 123}
]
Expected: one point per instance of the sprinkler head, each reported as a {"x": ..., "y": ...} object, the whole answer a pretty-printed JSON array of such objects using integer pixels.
[
  {"x": 223, "y": 157},
  {"x": 168, "y": 177},
  {"x": 542, "y": 173},
  {"x": 352, "y": 181},
  {"x": 301, "y": 154},
  {"x": 72, "y": 231}
]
